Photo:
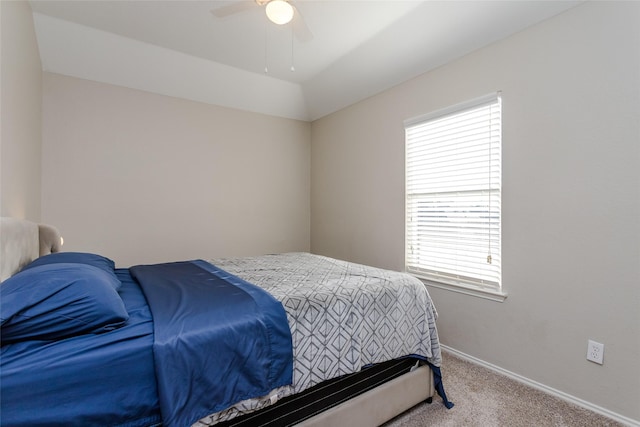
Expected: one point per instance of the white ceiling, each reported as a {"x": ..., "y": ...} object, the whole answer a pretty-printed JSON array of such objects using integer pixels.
[{"x": 359, "y": 47}]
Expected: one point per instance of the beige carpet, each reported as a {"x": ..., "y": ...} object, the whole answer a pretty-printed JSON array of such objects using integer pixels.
[{"x": 484, "y": 398}]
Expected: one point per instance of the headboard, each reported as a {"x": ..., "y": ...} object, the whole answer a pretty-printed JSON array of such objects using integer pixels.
[{"x": 22, "y": 241}]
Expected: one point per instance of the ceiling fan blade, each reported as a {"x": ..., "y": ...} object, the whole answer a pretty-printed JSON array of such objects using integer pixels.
[
  {"x": 232, "y": 9},
  {"x": 300, "y": 28}
]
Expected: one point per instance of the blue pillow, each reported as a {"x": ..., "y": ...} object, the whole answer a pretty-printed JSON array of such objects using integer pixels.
[
  {"x": 59, "y": 300},
  {"x": 95, "y": 260}
]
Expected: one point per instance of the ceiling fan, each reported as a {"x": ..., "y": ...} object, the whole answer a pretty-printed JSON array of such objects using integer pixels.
[{"x": 278, "y": 11}]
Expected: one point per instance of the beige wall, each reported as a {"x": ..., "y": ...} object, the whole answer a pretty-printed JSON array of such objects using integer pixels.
[
  {"x": 20, "y": 113},
  {"x": 147, "y": 178},
  {"x": 571, "y": 199}
]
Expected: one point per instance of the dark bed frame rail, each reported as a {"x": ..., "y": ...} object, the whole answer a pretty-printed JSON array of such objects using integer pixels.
[{"x": 294, "y": 409}]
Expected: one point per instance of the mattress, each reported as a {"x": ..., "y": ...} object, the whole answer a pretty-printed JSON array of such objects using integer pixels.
[{"x": 342, "y": 317}]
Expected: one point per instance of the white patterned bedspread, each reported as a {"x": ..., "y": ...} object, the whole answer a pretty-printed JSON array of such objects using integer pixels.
[{"x": 342, "y": 316}]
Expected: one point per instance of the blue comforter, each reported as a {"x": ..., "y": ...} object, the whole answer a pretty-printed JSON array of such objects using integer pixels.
[{"x": 218, "y": 339}]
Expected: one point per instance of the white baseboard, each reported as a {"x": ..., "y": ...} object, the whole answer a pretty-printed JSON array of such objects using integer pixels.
[{"x": 557, "y": 393}]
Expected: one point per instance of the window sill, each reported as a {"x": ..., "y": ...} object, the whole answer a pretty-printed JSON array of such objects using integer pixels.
[{"x": 467, "y": 290}]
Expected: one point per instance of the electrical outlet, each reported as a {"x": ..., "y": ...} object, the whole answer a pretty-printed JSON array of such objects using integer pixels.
[{"x": 595, "y": 352}]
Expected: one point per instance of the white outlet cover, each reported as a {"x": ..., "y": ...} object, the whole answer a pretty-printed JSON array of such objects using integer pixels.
[{"x": 595, "y": 352}]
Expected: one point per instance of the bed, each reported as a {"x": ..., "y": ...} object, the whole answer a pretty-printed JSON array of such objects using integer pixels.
[{"x": 284, "y": 339}]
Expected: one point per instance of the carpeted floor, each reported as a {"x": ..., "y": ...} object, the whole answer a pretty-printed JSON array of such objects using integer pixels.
[{"x": 484, "y": 398}]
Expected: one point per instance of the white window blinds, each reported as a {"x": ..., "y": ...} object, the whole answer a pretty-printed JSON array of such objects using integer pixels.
[{"x": 453, "y": 181}]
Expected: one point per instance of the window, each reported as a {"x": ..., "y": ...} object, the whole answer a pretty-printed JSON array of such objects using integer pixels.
[{"x": 453, "y": 181}]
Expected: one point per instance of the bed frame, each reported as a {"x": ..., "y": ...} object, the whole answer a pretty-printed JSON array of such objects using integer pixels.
[
  {"x": 23, "y": 241},
  {"x": 367, "y": 398}
]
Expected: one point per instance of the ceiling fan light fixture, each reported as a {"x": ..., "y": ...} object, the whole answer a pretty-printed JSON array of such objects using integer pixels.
[{"x": 279, "y": 12}]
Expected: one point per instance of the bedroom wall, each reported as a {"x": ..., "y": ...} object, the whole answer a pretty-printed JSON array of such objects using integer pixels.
[
  {"x": 20, "y": 113},
  {"x": 145, "y": 178},
  {"x": 571, "y": 199}
]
